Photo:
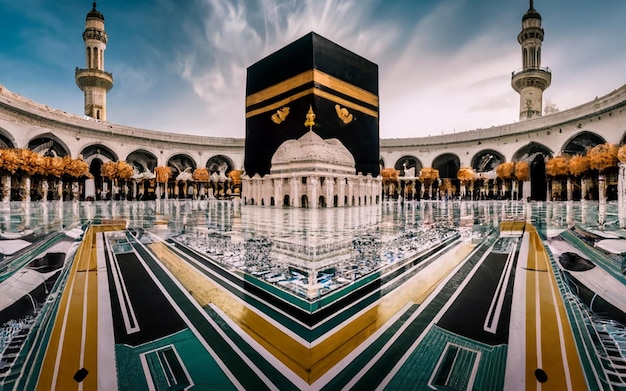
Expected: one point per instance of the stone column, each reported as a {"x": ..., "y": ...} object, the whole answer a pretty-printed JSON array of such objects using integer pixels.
[
  {"x": 313, "y": 191},
  {"x": 601, "y": 200},
  {"x": 278, "y": 191},
  {"x": 350, "y": 191},
  {"x": 569, "y": 188},
  {"x": 44, "y": 190},
  {"x": 549, "y": 190},
  {"x": 60, "y": 189},
  {"x": 341, "y": 192},
  {"x": 569, "y": 216},
  {"x": 601, "y": 188},
  {"x": 26, "y": 195},
  {"x": 583, "y": 189},
  {"x": 294, "y": 197},
  {"x": 6, "y": 188},
  {"x": 75, "y": 191},
  {"x": 329, "y": 183},
  {"x": 526, "y": 190}
]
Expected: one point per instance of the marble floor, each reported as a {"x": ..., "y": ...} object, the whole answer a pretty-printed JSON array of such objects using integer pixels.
[{"x": 181, "y": 294}]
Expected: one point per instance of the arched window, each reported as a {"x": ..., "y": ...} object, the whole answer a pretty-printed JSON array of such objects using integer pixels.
[
  {"x": 95, "y": 55},
  {"x": 538, "y": 56}
]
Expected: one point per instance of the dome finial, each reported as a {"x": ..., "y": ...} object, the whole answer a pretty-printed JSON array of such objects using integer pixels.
[
  {"x": 94, "y": 5},
  {"x": 531, "y": 4}
]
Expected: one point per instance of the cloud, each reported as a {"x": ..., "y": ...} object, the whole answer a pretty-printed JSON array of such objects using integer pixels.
[
  {"x": 234, "y": 35},
  {"x": 444, "y": 65},
  {"x": 425, "y": 71}
]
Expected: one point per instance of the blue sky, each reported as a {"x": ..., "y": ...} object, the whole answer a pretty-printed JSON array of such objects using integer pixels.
[{"x": 180, "y": 65}]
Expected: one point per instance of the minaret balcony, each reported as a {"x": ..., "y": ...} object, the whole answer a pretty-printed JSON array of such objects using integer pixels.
[
  {"x": 531, "y": 77},
  {"x": 93, "y": 78}
]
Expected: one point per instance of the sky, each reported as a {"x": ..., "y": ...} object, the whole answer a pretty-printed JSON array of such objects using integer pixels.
[{"x": 180, "y": 65}]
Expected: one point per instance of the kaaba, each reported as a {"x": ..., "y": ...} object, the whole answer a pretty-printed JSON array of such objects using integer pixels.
[{"x": 312, "y": 72}]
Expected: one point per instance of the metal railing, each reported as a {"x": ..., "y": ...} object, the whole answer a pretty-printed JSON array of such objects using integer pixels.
[{"x": 534, "y": 69}]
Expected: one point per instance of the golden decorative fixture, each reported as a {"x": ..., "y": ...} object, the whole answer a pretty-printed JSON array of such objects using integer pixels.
[
  {"x": 310, "y": 118},
  {"x": 343, "y": 114},
  {"x": 280, "y": 115}
]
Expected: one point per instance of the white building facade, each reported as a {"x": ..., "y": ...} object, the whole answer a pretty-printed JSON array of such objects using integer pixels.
[{"x": 311, "y": 172}]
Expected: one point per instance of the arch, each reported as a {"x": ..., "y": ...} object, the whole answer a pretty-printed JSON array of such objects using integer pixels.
[
  {"x": 580, "y": 142},
  {"x": 448, "y": 165},
  {"x": 48, "y": 142},
  {"x": 322, "y": 201},
  {"x": 530, "y": 150},
  {"x": 6, "y": 140},
  {"x": 142, "y": 160},
  {"x": 215, "y": 163},
  {"x": 410, "y": 162},
  {"x": 179, "y": 162},
  {"x": 286, "y": 200},
  {"x": 95, "y": 168},
  {"x": 487, "y": 160},
  {"x": 99, "y": 151},
  {"x": 304, "y": 201},
  {"x": 535, "y": 154}
]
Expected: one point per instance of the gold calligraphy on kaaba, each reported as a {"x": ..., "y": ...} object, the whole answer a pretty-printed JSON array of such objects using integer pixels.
[
  {"x": 344, "y": 115},
  {"x": 280, "y": 115}
]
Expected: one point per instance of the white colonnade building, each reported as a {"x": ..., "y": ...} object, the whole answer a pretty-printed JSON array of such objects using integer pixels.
[{"x": 312, "y": 172}]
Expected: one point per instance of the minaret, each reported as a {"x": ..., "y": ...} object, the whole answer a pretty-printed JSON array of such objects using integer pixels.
[
  {"x": 93, "y": 80},
  {"x": 532, "y": 79}
]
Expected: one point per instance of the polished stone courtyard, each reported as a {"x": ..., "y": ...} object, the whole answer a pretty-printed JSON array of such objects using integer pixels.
[{"x": 419, "y": 295}]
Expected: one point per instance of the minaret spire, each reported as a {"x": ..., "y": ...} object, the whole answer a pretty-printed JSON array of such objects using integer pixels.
[
  {"x": 532, "y": 79},
  {"x": 93, "y": 80}
]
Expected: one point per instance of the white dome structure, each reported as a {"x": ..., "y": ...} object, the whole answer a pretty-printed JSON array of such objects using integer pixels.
[
  {"x": 312, "y": 172},
  {"x": 312, "y": 153}
]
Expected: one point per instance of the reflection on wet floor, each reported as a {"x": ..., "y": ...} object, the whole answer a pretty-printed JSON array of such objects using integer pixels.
[{"x": 320, "y": 290}]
